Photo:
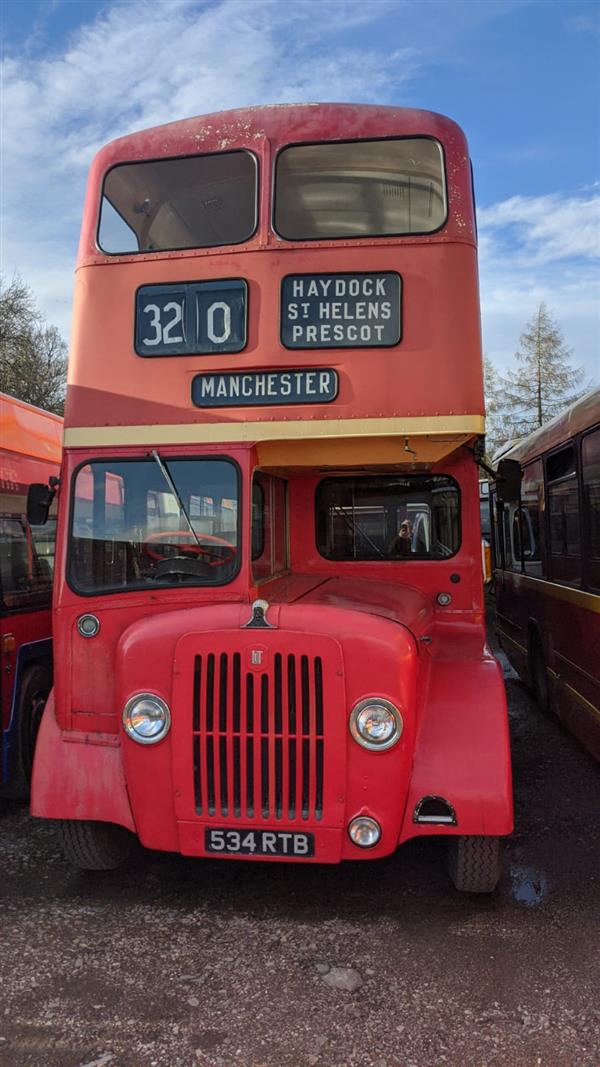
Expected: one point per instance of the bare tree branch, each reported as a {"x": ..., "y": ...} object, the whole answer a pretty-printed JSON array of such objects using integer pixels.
[{"x": 33, "y": 355}]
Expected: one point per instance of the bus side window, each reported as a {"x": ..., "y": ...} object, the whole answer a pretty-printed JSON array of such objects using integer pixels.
[
  {"x": 590, "y": 456},
  {"x": 269, "y": 526},
  {"x": 532, "y": 497},
  {"x": 25, "y": 580},
  {"x": 563, "y": 517}
]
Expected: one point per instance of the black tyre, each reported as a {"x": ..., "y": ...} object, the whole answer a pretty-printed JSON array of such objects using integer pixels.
[
  {"x": 475, "y": 863},
  {"x": 35, "y": 687},
  {"x": 94, "y": 846},
  {"x": 539, "y": 676}
]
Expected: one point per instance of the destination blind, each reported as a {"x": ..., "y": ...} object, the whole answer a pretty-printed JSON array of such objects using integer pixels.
[
  {"x": 259, "y": 388},
  {"x": 341, "y": 310}
]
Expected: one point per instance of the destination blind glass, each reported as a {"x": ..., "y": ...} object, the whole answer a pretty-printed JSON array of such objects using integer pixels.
[
  {"x": 341, "y": 310},
  {"x": 193, "y": 318}
]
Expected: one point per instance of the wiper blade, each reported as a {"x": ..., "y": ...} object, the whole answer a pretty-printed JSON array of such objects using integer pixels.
[{"x": 175, "y": 493}]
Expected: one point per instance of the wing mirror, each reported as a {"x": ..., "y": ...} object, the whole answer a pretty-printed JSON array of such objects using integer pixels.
[
  {"x": 39, "y": 501},
  {"x": 508, "y": 481}
]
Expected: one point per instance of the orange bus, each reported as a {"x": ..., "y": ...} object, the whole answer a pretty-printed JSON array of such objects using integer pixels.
[
  {"x": 30, "y": 449},
  {"x": 269, "y": 618},
  {"x": 547, "y": 573}
]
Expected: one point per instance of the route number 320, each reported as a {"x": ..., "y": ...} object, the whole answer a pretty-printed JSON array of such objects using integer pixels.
[{"x": 169, "y": 330}]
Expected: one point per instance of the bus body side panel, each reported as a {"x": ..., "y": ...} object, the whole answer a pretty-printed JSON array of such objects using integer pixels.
[
  {"x": 78, "y": 775},
  {"x": 566, "y": 622}
]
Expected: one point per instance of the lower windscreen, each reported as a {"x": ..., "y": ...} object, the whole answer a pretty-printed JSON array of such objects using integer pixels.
[
  {"x": 388, "y": 518},
  {"x": 155, "y": 521}
]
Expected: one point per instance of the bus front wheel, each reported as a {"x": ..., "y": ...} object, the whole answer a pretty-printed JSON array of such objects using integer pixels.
[
  {"x": 94, "y": 846},
  {"x": 36, "y": 685},
  {"x": 475, "y": 863}
]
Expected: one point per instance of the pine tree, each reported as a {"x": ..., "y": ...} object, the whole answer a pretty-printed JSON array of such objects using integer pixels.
[
  {"x": 495, "y": 431},
  {"x": 545, "y": 382},
  {"x": 33, "y": 364}
]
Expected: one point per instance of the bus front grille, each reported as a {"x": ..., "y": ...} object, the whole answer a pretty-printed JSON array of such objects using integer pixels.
[{"x": 258, "y": 737}]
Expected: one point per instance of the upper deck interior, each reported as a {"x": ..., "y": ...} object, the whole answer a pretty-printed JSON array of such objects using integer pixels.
[{"x": 372, "y": 206}]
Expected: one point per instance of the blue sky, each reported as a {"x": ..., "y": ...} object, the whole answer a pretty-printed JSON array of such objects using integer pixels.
[{"x": 522, "y": 77}]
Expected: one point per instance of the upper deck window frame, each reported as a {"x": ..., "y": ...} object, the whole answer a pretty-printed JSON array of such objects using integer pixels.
[
  {"x": 366, "y": 236},
  {"x": 185, "y": 248}
]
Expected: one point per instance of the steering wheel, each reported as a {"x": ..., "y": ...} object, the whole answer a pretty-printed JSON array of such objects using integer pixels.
[{"x": 192, "y": 547}]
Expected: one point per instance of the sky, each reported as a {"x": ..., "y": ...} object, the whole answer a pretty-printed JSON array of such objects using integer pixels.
[{"x": 522, "y": 77}]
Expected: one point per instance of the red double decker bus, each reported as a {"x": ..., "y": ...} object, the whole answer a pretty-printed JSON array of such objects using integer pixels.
[
  {"x": 30, "y": 449},
  {"x": 269, "y": 625},
  {"x": 547, "y": 573}
]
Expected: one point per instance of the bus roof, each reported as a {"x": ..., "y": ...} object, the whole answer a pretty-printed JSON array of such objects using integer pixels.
[
  {"x": 580, "y": 416},
  {"x": 290, "y": 122},
  {"x": 30, "y": 431},
  {"x": 264, "y": 130}
]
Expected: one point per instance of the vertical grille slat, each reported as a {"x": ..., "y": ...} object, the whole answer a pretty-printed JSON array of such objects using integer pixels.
[
  {"x": 211, "y": 776},
  {"x": 320, "y": 754},
  {"x": 198, "y": 775},
  {"x": 306, "y": 704},
  {"x": 258, "y": 737}
]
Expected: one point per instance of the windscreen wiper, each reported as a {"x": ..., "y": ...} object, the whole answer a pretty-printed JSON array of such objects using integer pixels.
[{"x": 174, "y": 490}]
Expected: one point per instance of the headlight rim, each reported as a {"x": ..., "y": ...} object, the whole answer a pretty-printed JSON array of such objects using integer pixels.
[
  {"x": 129, "y": 730},
  {"x": 373, "y": 746}
]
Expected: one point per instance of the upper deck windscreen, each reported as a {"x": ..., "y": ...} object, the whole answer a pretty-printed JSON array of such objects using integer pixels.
[
  {"x": 192, "y": 202},
  {"x": 360, "y": 189}
]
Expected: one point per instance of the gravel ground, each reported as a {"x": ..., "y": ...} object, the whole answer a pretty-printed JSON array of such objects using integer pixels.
[{"x": 172, "y": 962}]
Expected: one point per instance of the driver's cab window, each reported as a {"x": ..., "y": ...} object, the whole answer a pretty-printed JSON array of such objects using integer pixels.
[
  {"x": 269, "y": 526},
  {"x": 157, "y": 520}
]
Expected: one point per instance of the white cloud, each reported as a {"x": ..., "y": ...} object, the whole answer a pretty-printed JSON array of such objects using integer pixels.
[
  {"x": 546, "y": 228},
  {"x": 141, "y": 64},
  {"x": 541, "y": 249}
]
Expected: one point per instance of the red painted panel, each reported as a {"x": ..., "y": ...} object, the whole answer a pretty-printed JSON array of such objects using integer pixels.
[{"x": 78, "y": 776}]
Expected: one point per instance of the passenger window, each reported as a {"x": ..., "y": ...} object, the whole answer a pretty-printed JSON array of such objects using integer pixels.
[
  {"x": 25, "y": 576},
  {"x": 388, "y": 518},
  {"x": 269, "y": 527},
  {"x": 360, "y": 189},
  {"x": 590, "y": 457},
  {"x": 258, "y": 519},
  {"x": 564, "y": 524},
  {"x": 186, "y": 202},
  {"x": 529, "y": 519}
]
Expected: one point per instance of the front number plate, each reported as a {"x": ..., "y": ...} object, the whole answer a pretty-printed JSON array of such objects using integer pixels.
[{"x": 259, "y": 843}]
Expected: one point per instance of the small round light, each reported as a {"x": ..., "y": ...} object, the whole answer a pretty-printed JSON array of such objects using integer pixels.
[
  {"x": 364, "y": 832},
  {"x": 146, "y": 718},
  {"x": 88, "y": 625},
  {"x": 444, "y": 599},
  {"x": 376, "y": 724}
]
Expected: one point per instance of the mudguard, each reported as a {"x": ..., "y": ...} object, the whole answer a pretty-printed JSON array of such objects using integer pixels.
[
  {"x": 463, "y": 750},
  {"x": 78, "y": 775}
]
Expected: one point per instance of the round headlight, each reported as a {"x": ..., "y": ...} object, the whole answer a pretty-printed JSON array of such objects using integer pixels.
[
  {"x": 146, "y": 718},
  {"x": 364, "y": 831},
  {"x": 376, "y": 724}
]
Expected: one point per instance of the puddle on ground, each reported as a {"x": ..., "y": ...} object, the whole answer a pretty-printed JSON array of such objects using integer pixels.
[{"x": 529, "y": 886}]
